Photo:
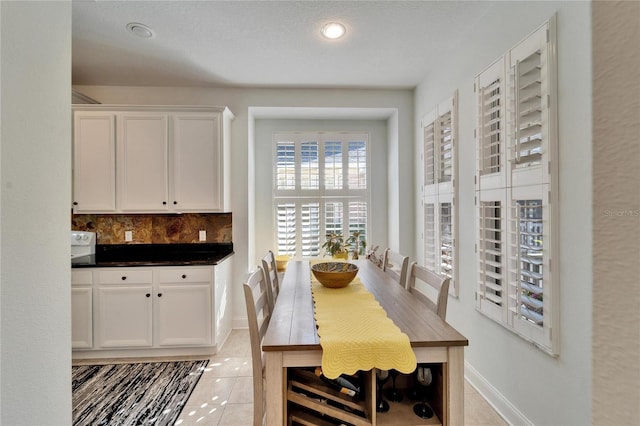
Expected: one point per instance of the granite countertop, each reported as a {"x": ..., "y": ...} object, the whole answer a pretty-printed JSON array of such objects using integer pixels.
[{"x": 121, "y": 255}]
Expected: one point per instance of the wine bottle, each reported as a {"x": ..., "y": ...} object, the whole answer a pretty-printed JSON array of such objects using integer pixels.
[{"x": 341, "y": 383}]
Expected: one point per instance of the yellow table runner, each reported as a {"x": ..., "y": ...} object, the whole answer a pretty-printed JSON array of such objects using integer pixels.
[{"x": 355, "y": 332}]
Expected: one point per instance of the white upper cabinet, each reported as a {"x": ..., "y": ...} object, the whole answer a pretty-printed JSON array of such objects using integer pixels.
[
  {"x": 197, "y": 166},
  {"x": 94, "y": 162},
  {"x": 143, "y": 175},
  {"x": 169, "y": 159}
]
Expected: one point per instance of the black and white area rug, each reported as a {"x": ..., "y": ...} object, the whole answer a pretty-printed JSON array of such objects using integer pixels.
[{"x": 133, "y": 394}]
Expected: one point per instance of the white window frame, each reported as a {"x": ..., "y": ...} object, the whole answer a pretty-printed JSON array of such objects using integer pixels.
[
  {"x": 438, "y": 191},
  {"x": 524, "y": 296},
  {"x": 299, "y": 196}
]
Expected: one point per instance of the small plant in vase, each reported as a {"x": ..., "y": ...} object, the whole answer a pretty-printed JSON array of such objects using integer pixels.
[
  {"x": 358, "y": 242},
  {"x": 335, "y": 246}
]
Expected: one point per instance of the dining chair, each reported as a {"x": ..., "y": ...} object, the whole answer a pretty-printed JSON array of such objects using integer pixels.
[
  {"x": 396, "y": 265},
  {"x": 437, "y": 295},
  {"x": 258, "y": 315},
  {"x": 271, "y": 275}
]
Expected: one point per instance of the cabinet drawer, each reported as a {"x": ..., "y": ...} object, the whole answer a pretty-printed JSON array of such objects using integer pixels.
[
  {"x": 185, "y": 275},
  {"x": 81, "y": 277},
  {"x": 126, "y": 276}
]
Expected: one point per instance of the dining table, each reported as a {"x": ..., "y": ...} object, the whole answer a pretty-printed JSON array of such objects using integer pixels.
[{"x": 292, "y": 341}]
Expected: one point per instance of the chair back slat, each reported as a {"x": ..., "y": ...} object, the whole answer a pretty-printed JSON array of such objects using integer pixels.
[
  {"x": 439, "y": 284},
  {"x": 271, "y": 274},
  {"x": 396, "y": 265},
  {"x": 257, "y": 300}
]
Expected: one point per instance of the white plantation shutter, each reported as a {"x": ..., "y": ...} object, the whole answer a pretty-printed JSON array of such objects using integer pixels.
[
  {"x": 309, "y": 167},
  {"x": 333, "y": 217},
  {"x": 358, "y": 218},
  {"x": 320, "y": 186},
  {"x": 491, "y": 298},
  {"x": 530, "y": 310},
  {"x": 445, "y": 244},
  {"x": 357, "y": 164},
  {"x": 285, "y": 165},
  {"x": 309, "y": 231},
  {"x": 445, "y": 147},
  {"x": 430, "y": 233},
  {"x": 439, "y": 190},
  {"x": 515, "y": 251},
  {"x": 429, "y": 151},
  {"x": 333, "y": 165},
  {"x": 286, "y": 228},
  {"x": 530, "y": 124},
  {"x": 527, "y": 111},
  {"x": 490, "y": 132}
]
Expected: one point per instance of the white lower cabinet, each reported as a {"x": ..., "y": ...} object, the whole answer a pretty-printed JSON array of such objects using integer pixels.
[
  {"x": 81, "y": 309},
  {"x": 124, "y": 316},
  {"x": 81, "y": 317},
  {"x": 124, "y": 311},
  {"x": 184, "y": 307},
  {"x": 184, "y": 315}
]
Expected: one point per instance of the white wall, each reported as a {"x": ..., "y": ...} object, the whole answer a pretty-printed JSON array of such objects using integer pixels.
[
  {"x": 240, "y": 101},
  {"x": 35, "y": 153},
  {"x": 524, "y": 383}
]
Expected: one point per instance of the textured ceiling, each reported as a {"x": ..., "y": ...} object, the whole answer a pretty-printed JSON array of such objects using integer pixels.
[{"x": 389, "y": 44}]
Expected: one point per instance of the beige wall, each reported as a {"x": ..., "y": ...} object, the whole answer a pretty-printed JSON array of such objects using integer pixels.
[
  {"x": 35, "y": 154},
  {"x": 616, "y": 213}
]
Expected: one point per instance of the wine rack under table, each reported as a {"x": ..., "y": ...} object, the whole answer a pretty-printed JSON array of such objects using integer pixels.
[
  {"x": 311, "y": 402},
  {"x": 306, "y": 390},
  {"x": 401, "y": 413}
]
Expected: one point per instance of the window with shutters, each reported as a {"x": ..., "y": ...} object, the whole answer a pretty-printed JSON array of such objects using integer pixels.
[
  {"x": 439, "y": 190},
  {"x": 320, "y": 187},
  {"x": 516, "y": 190}
]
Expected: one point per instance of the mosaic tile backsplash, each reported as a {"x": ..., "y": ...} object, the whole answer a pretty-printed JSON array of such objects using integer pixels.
[{"x": 155, "y": 228}]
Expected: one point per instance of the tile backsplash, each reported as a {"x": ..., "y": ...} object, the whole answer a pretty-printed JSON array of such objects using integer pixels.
[{"x": 156, "y": 228}]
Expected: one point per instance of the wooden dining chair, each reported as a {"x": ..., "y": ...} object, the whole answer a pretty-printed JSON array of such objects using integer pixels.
[
  {"x": 271, "y": 274},
  {"x": 258, "y": 314},
  {"x": 396, "y": 265},
  {"x": 437, "y": 295}
]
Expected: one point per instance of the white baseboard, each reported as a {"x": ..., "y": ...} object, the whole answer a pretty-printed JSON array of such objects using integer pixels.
[
  {"x": 223, "y": 340},
  {"x": 239, "y": 323},
  {"x": 503, "y": 407}
]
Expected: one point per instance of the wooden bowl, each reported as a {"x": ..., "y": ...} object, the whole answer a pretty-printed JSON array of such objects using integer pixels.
[{"x": 334, "y": 274}]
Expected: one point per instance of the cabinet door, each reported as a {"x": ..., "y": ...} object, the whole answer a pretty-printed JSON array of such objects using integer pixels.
[
  {"x": 94, "y": 168},
  {"x": 184, "y": 314},
  {"x": 197, "y": 162},
  {"x": 81, "y": 318},
  {"x": 124, "y": 316},
  {"x": 142, "y": 162}
]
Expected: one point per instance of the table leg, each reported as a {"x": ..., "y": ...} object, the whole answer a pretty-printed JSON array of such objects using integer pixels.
[
  {"x": 275, "y": 390},
  {"x": 455, "y": 372}
]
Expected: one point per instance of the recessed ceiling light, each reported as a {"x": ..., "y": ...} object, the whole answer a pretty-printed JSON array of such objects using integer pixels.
[
  {"x": 333, "y": 30},
  {"x": 141, "y": 30}
]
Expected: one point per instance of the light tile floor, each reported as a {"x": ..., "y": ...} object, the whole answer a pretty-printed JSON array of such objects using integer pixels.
[{"x": 224, "y": 394}]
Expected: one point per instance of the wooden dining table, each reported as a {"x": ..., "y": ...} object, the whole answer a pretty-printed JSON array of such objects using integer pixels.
[{"x": 292, "y": 339}]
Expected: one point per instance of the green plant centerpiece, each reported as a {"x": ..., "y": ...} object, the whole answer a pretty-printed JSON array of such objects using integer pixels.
[
  {"x": 335, "y": 246},
  {"x": 359, "y": 244}
]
